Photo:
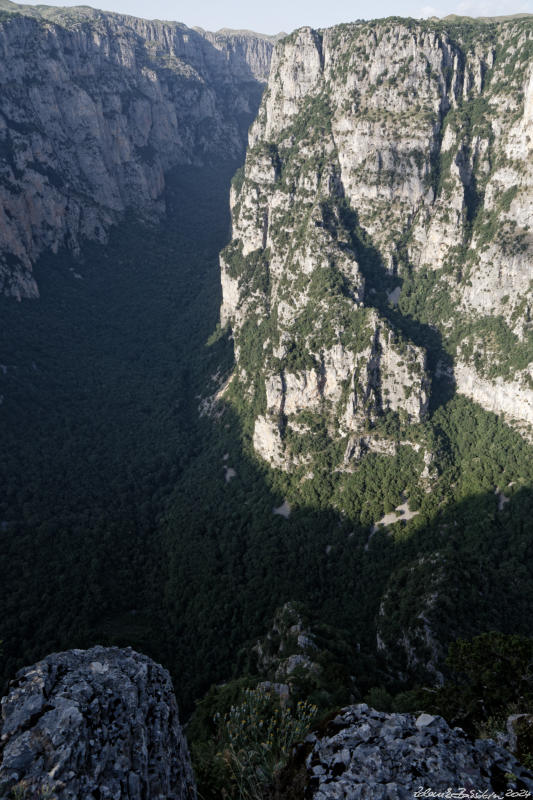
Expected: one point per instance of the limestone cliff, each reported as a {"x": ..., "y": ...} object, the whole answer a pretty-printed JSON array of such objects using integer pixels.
[
  {"x": 95, "y": 107},
  {"x": 93, "y": 723},
  {"x": 381, "y": 229}
]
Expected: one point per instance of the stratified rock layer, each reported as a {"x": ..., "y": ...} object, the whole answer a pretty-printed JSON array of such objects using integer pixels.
[
  {"x": 95, "y": 107},
  {"x": 384, "y": 211},
  {"x": 99, "y": 723},
  {"x": 370, "y": 755}
]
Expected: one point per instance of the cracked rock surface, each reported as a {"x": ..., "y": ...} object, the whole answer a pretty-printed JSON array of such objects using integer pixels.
[
  {"x": 388, "y": 171},
  {"x": 100, "y": 723},
  {"x": 372, "y": 755}
]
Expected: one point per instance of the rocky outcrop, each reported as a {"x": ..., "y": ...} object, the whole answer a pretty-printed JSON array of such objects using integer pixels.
[
  {"x": 104, "y": 723},
  {"x": 407, "y": 641},
  {"x": 290, "y": 644},
  {"x": 369, "y": 754},
  {"x": 95, "y": 108},
  {"x": 299, "y": 654},
  {"x": 93, "y": 723},
  {"x": 384, "y": 208}
]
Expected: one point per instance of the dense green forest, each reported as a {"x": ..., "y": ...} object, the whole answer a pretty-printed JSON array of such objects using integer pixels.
[
  {"x": 99, "y": 421},
  {"x": 121, "y": 524}
]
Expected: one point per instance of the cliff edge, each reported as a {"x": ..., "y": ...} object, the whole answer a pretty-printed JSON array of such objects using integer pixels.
[{"x": 98, "y": 723}]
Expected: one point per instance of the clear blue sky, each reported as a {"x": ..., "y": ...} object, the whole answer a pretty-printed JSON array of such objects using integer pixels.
[{"x": 272, "y": 16}]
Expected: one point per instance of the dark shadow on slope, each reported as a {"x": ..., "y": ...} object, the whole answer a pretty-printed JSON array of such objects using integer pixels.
[
  {"x": 207, "y": 579},
  {"x": 98, "y": 385},
  {"x": 232, "y": 563},
  {"x": 118, "y": 524},
  {"x": 480, "y": 580},
  {"x": 379, "y": 283}
]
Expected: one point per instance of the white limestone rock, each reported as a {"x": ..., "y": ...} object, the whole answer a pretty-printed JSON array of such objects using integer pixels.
[
  {"x": 382, "y": 150},
  {"x": 94, "y": 109}
]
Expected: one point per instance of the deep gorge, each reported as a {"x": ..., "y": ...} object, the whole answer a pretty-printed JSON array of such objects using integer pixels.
[{"x": 375, "y": 282}]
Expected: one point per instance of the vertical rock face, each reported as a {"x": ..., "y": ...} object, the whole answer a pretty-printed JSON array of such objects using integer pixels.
[
  {"x": 95, "y": 107},
  {"x": 384, "y": 207},
  {"x": 94, "y": 723}
]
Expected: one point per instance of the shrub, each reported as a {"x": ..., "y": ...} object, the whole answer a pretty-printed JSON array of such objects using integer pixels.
[{"x": 257, "y": 736}]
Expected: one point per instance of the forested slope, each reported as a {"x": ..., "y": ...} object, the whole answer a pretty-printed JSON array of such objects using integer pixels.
[{"x": 129, "y": 515}]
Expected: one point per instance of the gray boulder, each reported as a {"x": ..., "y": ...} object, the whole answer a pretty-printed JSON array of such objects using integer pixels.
[
  {"x": 98, "y": 724},
  {"x": 370, "y": 755}
]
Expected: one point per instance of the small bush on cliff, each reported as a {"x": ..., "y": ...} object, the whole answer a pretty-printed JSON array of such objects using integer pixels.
[
  {"x": 24, "y": 790},
  {"x": 492, "y": 677},
  {"x": 258, "y": 735},
  {"x": 253, "y": 742},
  {"x": 490, "y": 680}
]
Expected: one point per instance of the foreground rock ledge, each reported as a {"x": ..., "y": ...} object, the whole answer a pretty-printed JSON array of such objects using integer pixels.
[
  {"x": 102, "y": 724},
  {"x": 370, "y": 755},
  {"x": 91, "y": 725}
]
